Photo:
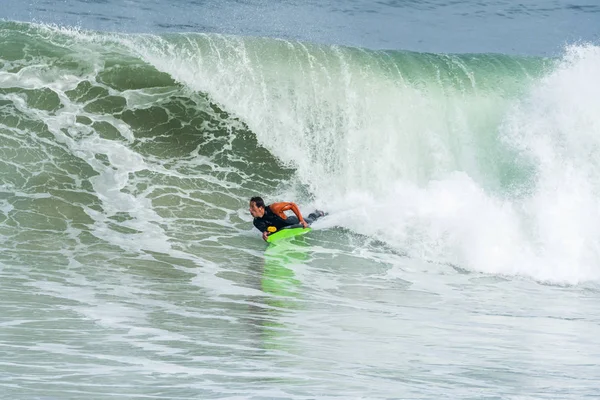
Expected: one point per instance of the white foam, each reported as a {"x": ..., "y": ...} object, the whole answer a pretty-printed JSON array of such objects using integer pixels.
[{"x": 401, "y": 162}]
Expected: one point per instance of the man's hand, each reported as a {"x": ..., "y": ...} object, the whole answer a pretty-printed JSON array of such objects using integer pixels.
[
  {"x": 265, "y": 234},
  {"x": 304, "y": 224}
]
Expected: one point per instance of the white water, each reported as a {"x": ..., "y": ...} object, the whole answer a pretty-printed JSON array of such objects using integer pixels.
[{"x": 416, "y": 164}]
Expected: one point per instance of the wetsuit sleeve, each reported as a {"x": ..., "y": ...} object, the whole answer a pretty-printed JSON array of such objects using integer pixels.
[
  {"x": 260, "y": 225},
  {"x": 279, "y": 208}
]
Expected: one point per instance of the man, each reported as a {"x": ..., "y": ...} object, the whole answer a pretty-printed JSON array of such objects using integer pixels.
[{"x": 271, "y": 218}]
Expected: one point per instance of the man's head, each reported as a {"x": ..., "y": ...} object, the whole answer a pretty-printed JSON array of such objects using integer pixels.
[{"x": 257, "y": 207}]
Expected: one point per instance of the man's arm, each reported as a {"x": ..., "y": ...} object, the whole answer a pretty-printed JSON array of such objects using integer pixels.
[
  {"x": 280, "y": 208},
  {"x": 261, "y": 226}
]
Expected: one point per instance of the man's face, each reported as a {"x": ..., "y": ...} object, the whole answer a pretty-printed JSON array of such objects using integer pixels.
[{"x": 256, "y": 212}]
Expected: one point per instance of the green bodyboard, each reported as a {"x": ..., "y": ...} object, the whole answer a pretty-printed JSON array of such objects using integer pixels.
[{"x": 287, "y": 233}]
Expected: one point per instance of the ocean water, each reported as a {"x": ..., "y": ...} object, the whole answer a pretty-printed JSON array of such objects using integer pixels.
[{"x": 455, "y": 145}]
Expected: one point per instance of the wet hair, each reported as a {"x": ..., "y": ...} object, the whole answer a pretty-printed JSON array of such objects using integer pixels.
[{"x": 258, "y": 201}]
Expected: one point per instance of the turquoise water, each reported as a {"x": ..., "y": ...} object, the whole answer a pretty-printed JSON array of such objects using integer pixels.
[{"x": 460, "y": 168}]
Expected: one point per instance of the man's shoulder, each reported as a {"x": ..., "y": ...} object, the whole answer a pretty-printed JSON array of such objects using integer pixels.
[
  {"x": 260, "y": 224},
  {"x": 277, "y": 207}
]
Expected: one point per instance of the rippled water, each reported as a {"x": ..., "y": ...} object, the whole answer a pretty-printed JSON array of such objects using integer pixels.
[{"x": 459, "y": 258}]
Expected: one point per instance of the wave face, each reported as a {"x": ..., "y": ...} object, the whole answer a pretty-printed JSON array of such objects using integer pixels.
[{"x": 136, "y": 143}]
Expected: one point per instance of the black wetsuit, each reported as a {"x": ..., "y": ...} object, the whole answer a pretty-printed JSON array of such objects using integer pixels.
[{"x": 272, "y": 219}]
